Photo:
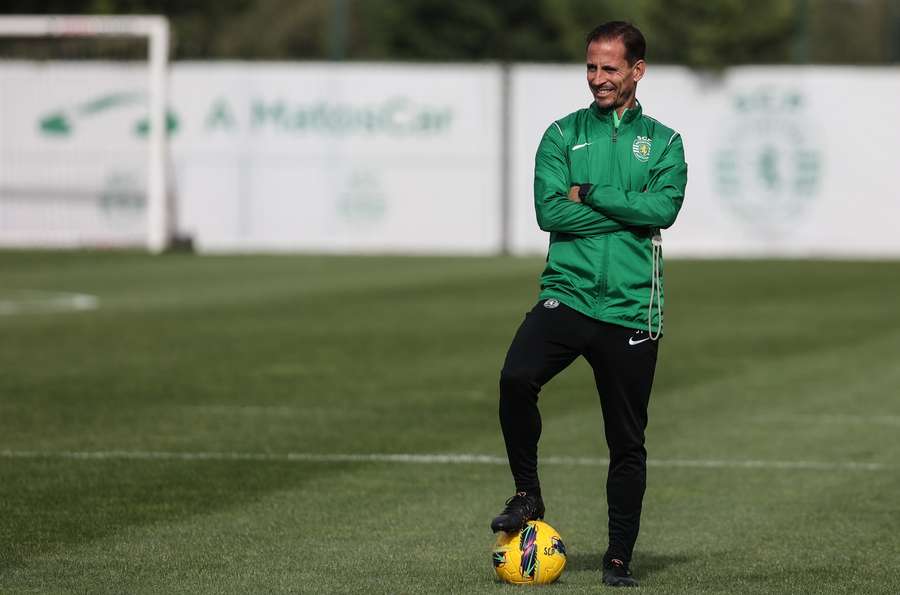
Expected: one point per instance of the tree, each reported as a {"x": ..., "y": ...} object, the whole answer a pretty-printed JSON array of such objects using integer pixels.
[
  {"x": 695, "y": 33},
  {"x": 707, "y": 34}
]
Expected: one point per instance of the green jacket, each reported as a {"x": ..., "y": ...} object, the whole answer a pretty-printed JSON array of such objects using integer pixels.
[{"x": 601, "y": 256}]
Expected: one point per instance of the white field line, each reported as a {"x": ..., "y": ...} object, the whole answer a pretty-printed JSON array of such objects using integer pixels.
[
  {"x": 431, "y": 459},
  {"x": 33, "y": 301}
]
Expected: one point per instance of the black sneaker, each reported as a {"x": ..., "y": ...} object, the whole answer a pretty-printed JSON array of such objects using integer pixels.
[
  {"x": 520, "y": 509},
  {"x": 616, "y": 574}
]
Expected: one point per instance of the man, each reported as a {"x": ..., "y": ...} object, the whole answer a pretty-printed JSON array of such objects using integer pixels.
[{"x": 607, "y": 179}]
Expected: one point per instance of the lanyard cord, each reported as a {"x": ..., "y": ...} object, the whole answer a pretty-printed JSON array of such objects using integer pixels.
[{"x": 655, "y": 287}]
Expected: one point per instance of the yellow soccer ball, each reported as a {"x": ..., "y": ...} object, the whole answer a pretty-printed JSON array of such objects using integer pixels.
[{"x": 535, "y": 555}]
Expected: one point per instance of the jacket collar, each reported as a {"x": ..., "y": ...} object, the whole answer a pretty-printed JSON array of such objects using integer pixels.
[{"x": 628, "y": 116}]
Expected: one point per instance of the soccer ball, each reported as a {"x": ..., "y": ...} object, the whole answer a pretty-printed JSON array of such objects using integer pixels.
[{"x": 534, "y": 555}]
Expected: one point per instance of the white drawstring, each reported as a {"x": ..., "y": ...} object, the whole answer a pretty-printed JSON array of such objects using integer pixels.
[{"x": 655, "y": 287}]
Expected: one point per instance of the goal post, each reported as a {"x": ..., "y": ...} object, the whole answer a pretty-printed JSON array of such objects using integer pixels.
[{"x": 159, "y": 219}]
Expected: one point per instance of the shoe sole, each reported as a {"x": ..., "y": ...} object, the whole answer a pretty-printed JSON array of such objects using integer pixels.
[
  {"x": 499, "y": 527},
  {"x": 495, "y": 526}
]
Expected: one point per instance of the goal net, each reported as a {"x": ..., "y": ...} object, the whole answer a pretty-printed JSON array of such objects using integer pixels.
[{"x": 83, "y": 128}]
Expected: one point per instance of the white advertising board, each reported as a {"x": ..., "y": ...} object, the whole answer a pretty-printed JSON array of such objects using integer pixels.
[
  {"x": 781, "y": 161},
  {"x": 324, "y": 157},
  {"x": 264, "y": 156}
]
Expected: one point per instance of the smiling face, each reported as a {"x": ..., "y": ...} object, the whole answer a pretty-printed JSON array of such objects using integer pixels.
[{"x": 612, "y": 80}]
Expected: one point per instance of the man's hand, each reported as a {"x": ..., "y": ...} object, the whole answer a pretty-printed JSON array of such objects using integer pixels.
[
  {"x": 578, "y": 191},
  {"x": 573, "y": 194}
]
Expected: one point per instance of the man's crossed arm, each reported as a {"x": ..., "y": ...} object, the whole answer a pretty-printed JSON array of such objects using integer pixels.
[{"x": 586, "y": 209}]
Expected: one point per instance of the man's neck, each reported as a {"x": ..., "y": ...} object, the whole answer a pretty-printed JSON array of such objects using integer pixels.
[
  {"x": 622, "y": 108},
  {"x": 619, "y": 112},
  {"x": 617, "y": 115}
]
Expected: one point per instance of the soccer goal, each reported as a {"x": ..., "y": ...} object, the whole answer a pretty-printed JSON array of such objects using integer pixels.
[{"x": 83, "y": 132}]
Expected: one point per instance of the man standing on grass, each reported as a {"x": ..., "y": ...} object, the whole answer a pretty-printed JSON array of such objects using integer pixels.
[{"x": 607, "y": 178}]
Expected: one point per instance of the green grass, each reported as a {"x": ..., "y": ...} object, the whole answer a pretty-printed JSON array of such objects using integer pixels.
[{"x": 762, "y": 361}]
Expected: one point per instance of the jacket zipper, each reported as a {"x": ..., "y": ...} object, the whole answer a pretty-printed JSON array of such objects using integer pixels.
[{"x": 601, "y": 294}]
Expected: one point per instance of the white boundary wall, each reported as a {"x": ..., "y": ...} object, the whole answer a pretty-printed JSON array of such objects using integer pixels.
[{"x": 407, "y": 158}]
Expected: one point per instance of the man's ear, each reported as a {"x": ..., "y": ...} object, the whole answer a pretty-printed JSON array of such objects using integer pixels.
[{"x": 637, "y": 71}]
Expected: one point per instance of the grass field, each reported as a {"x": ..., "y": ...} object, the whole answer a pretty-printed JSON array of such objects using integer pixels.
[{"x": 183, "y": 436}]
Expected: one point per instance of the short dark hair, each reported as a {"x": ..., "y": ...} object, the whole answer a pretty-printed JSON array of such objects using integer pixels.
[{"x": 632, "y": 38}]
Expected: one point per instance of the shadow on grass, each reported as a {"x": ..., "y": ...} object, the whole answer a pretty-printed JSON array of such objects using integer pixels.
[
  {"x": 644, "y": 563},
  {"x": 53, "y": 505}
]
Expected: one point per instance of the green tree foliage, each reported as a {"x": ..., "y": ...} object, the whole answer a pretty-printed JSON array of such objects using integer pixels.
[
  {"x": 859, "y": 32},
  {"x": 716, "y": 34},
  {"x": 697, "y": 33},
  {"x": 514, "y": 30},
  {"x": 272, "y": 29}
]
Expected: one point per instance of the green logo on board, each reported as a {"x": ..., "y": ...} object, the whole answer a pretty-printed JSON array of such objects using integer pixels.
[
  {"x": 768, "y": 165},
  {"x": 396, "y": 116},
  {"x": 362, "y": 201},
  {"x": 62, "y": 123},
  {"x": 122, "y": 194}
]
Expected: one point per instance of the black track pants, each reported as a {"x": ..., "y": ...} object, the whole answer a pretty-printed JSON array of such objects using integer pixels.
[{"x": 623, "y": 361}]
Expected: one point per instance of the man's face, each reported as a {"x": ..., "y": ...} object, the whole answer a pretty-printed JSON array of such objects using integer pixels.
[{"x": 612, "y": 80}]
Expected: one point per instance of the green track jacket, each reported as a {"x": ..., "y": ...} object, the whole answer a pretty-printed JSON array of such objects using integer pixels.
[{"x": 601, "y": 256}]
